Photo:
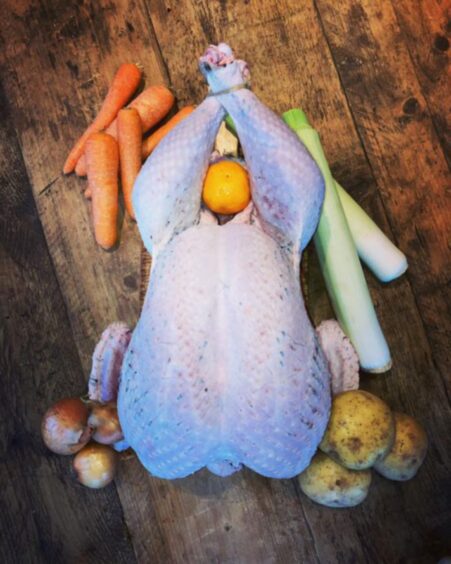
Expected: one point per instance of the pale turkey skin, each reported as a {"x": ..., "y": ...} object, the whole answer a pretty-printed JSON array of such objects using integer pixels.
[
  {"x": 224, "y": 368},
  {"x": 229, "y": 369}
]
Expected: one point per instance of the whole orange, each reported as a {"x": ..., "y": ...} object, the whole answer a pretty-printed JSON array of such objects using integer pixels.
[{"x": 226, "y": 187}]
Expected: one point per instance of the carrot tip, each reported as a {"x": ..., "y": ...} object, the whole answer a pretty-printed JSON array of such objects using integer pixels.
[{"x": 109, "y": 247}]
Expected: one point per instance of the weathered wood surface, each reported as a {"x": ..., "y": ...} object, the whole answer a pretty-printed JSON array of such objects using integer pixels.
[
  {"x": 302, "y": 70},
  {"x": 56, "y": 61},
  {"x": 348, "y": 65},
  {"x": 403, "y": 150},
  {"x": 45, "y": 515},
  {"x": 426, "y": 29}
]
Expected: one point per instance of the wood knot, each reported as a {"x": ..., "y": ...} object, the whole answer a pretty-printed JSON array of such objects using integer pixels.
[
  {"x": 130, "y": 282},
  {"x": 441, "y": 43},
  {"x": 410, "y": 106}
]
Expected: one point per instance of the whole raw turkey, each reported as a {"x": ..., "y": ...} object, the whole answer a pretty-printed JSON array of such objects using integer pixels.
[{"x": 224, "y": 368}]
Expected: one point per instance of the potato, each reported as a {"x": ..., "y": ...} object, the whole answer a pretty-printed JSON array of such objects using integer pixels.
[
  {"x": 361, "y": 430},
  {"x": 408, "y": 451},
  {"x": 328, "y": 483}
]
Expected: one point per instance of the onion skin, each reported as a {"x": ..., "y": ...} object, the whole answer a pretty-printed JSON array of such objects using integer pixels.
[
  {"x": 105, "y": 423},
  {"x": 64, "y": 427},
  {"x": 95, "y": 465}
]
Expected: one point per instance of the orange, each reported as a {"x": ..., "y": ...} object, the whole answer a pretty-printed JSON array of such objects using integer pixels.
[{"x": 226, "y": 187}]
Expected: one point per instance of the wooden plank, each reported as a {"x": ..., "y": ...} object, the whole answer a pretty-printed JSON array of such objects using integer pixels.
[
  {"x": 240, "y": 519},
  {"x": 403, "y": 150},
  {"x": 146, "y": 263},
  {"x": 426, "y": 30},
  {"x": 291, "y": 65},
  {"x": 45, "y": 516},
  {"x": 56, "y": 61},
  {"x": 43, "y": 39},
  {"x": 155, "y": 517},
  {"x": 244, "y": 518}
]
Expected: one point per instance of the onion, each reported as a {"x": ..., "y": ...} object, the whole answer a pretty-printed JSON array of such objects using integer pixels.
[
  {"x": 95, "y": 465},
  {"x": 65, "y": 427},
  {"x": 105, "y": 422}
]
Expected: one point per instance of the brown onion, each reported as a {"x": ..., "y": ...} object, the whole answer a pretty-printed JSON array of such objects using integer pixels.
[
  {"x": 105, "y": 422},
  {"x": 65, "y": 427},
  {"x": 95, "y": 465}
]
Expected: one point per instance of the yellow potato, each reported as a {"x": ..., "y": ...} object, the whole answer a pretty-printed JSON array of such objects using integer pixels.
[
  {"x": 408, "y": 451},
  {"x": 361, "y": 430},
  {"x": 328, "y": 483}
]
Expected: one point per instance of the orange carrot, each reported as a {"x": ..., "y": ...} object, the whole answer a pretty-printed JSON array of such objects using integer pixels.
[
  {"x": 152, "y": 141},
  {"x": 125, "y": 82},
  {"x": 129, "y": 136},
  {"x": 152, "y": 105},
  {"x": 80, "y": 167},
  {"x": 102, "y": 159}
]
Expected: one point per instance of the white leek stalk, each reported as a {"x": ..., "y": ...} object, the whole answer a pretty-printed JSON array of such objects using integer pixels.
[
  {"x": 375, "y": 249},
  {"x": 340, "y": 263}
]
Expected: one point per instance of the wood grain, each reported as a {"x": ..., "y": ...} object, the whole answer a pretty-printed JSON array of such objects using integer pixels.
[
  {"x": 404, "y": 151},
  {"x": 146, "y": 263},
  {"x": 43, "y": 39},
  {"x": 56, "y": 61},
  {"x": 45, "y": 516},
  {"x": 291, "y": 64},
  {"x": 293, "y": 49},
  {"x": 426, "y": 29}
]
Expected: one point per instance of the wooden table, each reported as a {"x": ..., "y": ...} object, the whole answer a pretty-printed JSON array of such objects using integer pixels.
[{"x": 372, "y": 75}]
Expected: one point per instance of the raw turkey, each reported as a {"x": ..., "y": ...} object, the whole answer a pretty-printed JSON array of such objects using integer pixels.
[{"x": 224, "y": 368}]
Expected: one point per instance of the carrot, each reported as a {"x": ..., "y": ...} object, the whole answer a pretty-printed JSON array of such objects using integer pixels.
[
  {"x": 129, "y": 136},
  {"x": 152, "y": 141},
  {"x": 125, "y": 82},
  {"x": 102, "y": 159},
  {"x": 80, "y": 167},
  {"x": 152, "y": 105}
]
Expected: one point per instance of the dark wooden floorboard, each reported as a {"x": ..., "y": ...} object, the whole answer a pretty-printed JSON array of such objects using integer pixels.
[
  {"x": 77, "y": 47},
  {"x": 56, "y": 60},
  {"x": 426, "y": 30},
  {"x": 284, "y": 40},
  {"x": 44, "y": 515},
  {"x": 404, "y": 152},
  {"x": 348, "y": 66}
]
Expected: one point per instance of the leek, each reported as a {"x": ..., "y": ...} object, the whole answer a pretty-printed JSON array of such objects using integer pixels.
[
  {"x": 340, "y": 263},
  {"x": 375, "y": 249},
  {"x": 230, "y": 125}
]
